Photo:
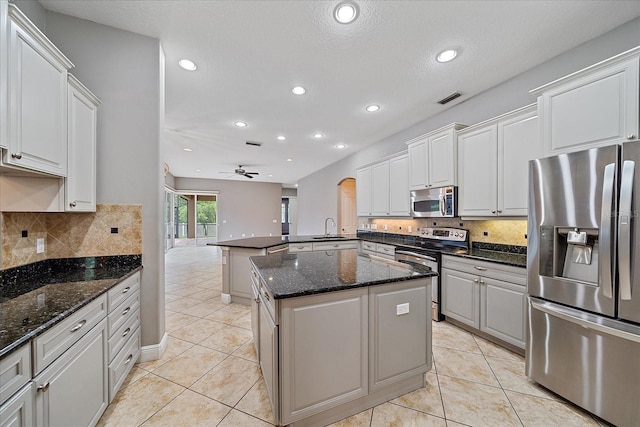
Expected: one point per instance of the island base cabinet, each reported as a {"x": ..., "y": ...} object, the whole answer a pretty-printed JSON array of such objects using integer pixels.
[
  {"x": 73, "y": 390},
  {"x": 324, "y": 347},
  {"x": 18, "y": 411},
  {"x": 398, "y": 317},
  {"x": 269, "y": 357}
]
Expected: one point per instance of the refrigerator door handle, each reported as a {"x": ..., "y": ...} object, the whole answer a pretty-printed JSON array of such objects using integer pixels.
[
  {"x": 624, "y": 229},
  {"x": 605, "y": 230}
]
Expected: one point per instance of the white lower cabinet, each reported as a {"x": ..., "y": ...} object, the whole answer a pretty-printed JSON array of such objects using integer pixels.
[
  {"x": 73, "y": 390},
  {"x": 18, "y": 411},
  {"x": 487, "y": 296},
  {"x": 268, "y": 339}
]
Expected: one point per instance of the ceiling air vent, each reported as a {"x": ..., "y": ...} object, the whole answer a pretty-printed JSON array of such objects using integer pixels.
[
  {"x": 254, "y": 143},
  {"x": 449, "y": 98}
]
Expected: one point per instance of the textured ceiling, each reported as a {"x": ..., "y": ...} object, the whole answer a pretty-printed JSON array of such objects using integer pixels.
[{"x": 251, "y": 53}]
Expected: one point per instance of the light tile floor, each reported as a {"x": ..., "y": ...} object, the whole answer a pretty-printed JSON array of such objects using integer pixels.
[{"x": 209, "y": 375}]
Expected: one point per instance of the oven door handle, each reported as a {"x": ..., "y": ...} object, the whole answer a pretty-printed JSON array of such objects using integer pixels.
[{"x": 421, "y": 256}]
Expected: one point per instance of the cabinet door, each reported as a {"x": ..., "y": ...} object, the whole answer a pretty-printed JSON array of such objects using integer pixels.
[
  {"x": 442, "y": 159},
  {"x": 18, "y": 411},
  {"x": 518, "y": 143},
  {"x": 503, "y": 310},
  {"x": 380, "y": 189},
  {"x": 461, "y": 297},
  {"x": 596, "y": 109},
  {"x": 418, "y": 165},
  {"x": 399, "y": 318},
  {"x": 4, "y": 92},
  {"x": 269, "y": 357},
  {"x": 478, "y": 172},
  {"x": 240, "y": 273},
  {"x": 399, "y": 202},
  {"x": 363, "y": 191},
  {"x": 324, "y": 359},
  {"x": 80, "y": 184},
  {"x": 37, "y": 105},
  {"x": 78, "y": 379},
  {"x": 255, "y": 317}
]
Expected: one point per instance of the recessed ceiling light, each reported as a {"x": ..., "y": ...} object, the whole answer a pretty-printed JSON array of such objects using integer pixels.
[
  {"x": 187, "y": 149},
  {"x": 270, "y": 175},
  {"x": 197, "y": 170},
  {"x": 187, "y": 65},
  {"x": 446, "y": 56},
  {"x": 341, "y": 146},
  {"x": 317, "y": 135},
  {"x": 281, "y": 138},
  {"x": 289, "y": 160},
  {"x": 372, "y": 108},
  {"x": 299, "y": 90},
  {"x": 240, "y": 124},
  {"x": 296, "y": 185},
  {"x": 346, "y": 12}
]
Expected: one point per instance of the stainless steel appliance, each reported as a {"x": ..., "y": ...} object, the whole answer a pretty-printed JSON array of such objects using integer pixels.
[
  {"x": 435, "y": 202},
  {"x": 583, "y": 263},
  {"x": 427, "y": 251}
]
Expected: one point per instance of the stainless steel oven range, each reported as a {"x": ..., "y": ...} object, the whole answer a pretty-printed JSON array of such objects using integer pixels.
[{"x": 427, "y": 253}]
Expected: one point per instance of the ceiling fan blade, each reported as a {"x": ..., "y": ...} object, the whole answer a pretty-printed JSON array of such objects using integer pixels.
[
  {"x": 248, "y": 176},
  {"x": 253, "y": 173}
]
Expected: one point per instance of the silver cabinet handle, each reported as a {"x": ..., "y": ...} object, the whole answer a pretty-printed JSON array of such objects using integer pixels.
[
  {"x": 336, "y": 246},
  {"x": 300, "y": 247},
  {"x": 265, "y": 295},
  {"x": 43, "y": 387},
  {"x": 126, "y": 310},
  {"x": 126, "y": 332},
  {"x": 630, "y": 137},
  {"x": 481, "y": 282},
  {"x": 480, "y": 268},
  {"x": 476, "y": 280},
  {"x": 73, "y": 204},
  {"x": 257, "y": 300},
  {"x": 125, "y": 290},
  {"x": 128, "y": 359},
  {"x": 78, "y": 326},
  {"x": 499, "y": 211},
  {"x": 16, "y": 156},
  {"x": 493, "y": 211},
  {"x": 606, "y": 219},
  {"x": 624, "y": 229}
]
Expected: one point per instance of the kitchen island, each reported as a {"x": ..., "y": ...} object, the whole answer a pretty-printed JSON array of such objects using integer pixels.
[{"x": 338, "y": 332}]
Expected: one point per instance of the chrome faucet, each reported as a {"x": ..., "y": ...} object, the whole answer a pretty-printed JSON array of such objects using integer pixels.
[{"x": 326, "y": 233}]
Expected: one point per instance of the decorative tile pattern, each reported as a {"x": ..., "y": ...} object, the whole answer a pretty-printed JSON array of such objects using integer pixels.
[
  {"x": 69, "y": 235},
  {"x": 477, "y": 383}
]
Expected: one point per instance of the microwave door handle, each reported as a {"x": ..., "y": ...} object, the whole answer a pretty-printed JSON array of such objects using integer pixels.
[
  {"x": 442, "y": 207},
  {"x": 624, "y": 229},
  {"x": 605, "y": 230}
]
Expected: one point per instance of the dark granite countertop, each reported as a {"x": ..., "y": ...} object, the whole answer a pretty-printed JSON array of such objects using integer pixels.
[
  {"x": 506, "y": 258},
  {"x": 35, "y": 297},
  {"x": 271, "y": 241},
  {"x": 307, "y": 273}
]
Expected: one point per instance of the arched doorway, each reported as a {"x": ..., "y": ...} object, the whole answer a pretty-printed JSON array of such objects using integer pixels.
[{"x": 347, "y": 220}]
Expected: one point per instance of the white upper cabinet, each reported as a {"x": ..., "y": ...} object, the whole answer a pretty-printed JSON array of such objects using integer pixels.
[
  {"x": 363, "y": 191},
  {"x": 433, "y": 158},
  {"x": 4, "y": 81},
  {"x": 80, "y": 183},
  {"x": 37, "y": 104},
  {"x": 382, "y": 189},
  {"x": 494, "y": 163},
  {"x": 596, "y": 106},
  {"x": 399, "y": 202}
]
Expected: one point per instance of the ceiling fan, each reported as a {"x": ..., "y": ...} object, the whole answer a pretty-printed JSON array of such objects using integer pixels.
[{"x": 241, "y": 171}]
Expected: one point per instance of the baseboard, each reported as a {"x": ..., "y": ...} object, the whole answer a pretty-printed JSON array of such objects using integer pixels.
[
  {"x": 226, "y": 298},
  {"x": 155, "y": 351}
]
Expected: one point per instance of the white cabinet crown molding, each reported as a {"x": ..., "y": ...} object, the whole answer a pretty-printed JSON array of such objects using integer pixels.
[
  {"x": 383, "y": 159},
  {"x": 493, "y": 120},
  {"x": 16, "y": 15},
  {"x": 590, "y": 69},
  {"x": 73, "y": 80},
  {"x": 455, "y": 126}
]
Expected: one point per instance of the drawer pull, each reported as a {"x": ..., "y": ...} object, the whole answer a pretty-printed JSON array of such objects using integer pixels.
[
  {"x": 125, "y": 290},
  {"x": 300, "y": 247},
  {"x": 126, "y": 332},
  {"x": 78, "y": 326},
  {"x": 43, "y": 387},
  {"x": 336, "y": 246},
  {"x": 265, "y": 295},
  {"x": 16, "y": 156},
  {"x": 480, "y": 268},
  {"x": 126, "y": 310},
  {"x": 128, "y": 359}
]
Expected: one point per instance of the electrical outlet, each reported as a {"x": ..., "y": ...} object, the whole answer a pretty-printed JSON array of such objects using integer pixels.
[
  {"x": 402, "y": 309},
  {"x": 386, "y": 227},
  {"x": 40, "y": 300},
  {"x": 40, "y": 245},
  {"x": 410, "y": 229}
]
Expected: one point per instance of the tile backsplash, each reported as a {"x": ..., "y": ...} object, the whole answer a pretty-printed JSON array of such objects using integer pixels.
[
  {"x": 508, "y": 232},
  {"x": 111, "y": 230}
]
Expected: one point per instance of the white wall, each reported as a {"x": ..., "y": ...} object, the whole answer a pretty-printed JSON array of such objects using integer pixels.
[
  {"x": 317, "y": 193},
  {"x": 125, "y": 70},
  {"x": 243, "y": 207}
]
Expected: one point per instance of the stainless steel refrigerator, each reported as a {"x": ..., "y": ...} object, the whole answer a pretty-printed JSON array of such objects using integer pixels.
[{"x": 583, "y": 267}]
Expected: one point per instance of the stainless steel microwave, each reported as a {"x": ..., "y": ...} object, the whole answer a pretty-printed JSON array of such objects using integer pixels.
[{"x": 435, "y": 202}]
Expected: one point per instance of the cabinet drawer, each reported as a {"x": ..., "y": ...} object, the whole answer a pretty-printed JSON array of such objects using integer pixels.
[
  {"x": 368, "y": 246},
  {"x": 48, "y": 346},
  {"x": 122, "y": 334},
  {"x": 119, "y": 293},
  {"x": 18, "y": 411},
  {"x": 385, "y": 249},
  {"x": 267, "y": 301},
  {"x": 123, "y": 362},
  {"x": 123, "y": 312},
  {"x": 508, "y": 273},
  {"x": 15, "y": 371},
  {"x": 333, "y": 245},
  {"x": 300, "y": 247}
]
